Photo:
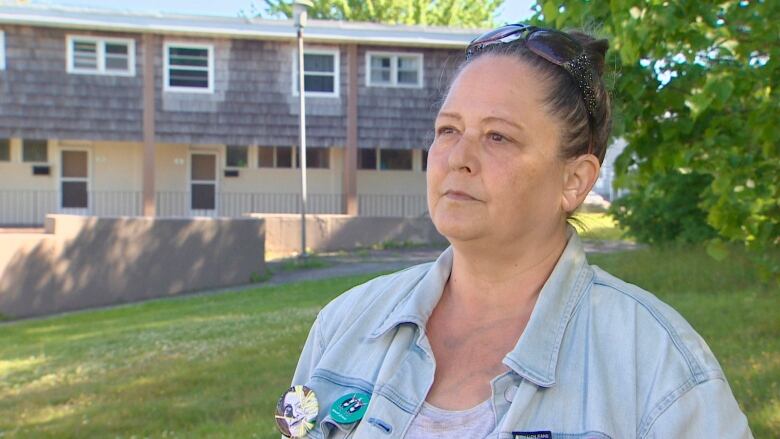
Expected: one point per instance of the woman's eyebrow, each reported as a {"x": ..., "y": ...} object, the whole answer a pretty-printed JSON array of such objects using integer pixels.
[
  {"x": 506, "y": 121},
  {"x": 449, "y": 114}
]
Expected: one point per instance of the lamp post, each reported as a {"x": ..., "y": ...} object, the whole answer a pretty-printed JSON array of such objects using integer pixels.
[{"x": 300, "y": 8}]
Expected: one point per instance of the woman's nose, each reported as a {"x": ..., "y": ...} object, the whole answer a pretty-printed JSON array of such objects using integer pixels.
[{"x": 463, "y": 154}]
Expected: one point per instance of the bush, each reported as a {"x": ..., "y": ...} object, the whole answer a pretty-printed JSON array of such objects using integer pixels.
[{"x": 666, "y": 210}]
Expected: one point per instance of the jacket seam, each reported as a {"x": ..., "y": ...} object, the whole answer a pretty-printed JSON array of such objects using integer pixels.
[
  {"x": 569, "y": 312},
  {"x": 395, "y": 397},
  {"x": 669, "y": 400},
  {"x": 694, "y": 367},
  {"x": 342, "y": 380}
]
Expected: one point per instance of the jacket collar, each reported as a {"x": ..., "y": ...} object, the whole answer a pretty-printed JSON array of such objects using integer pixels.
[{"x": 535, "y": 356}]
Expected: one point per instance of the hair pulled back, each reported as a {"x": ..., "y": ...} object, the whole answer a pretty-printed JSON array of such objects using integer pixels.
[{"x": 565, "y": 100}]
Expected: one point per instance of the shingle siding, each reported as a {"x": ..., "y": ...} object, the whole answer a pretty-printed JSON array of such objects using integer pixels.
[
  {"x": 39, "y": 99},
  {"x": 391, "y": 117},
  {"x": 252, "y": 102}
]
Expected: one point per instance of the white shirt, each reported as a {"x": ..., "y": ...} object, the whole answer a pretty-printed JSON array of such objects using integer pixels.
[{"x": 435, "y": 423}]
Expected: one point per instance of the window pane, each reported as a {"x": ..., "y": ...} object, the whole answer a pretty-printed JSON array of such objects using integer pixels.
[
  {"x": 366, "y": 159},
  {"x": 5, "y": 150},
  {"x": 189, "y": 78},
  {"x": 117, "y": 63},
  {"x": 315, "y": 158},
  {"x": 74, "y": 194},
  {"x": 34, "y": 151},
  {"x": 85, "y": 55},
  {"x": 203, "y": 167},
  {"x": 265, "y": 157},
  {"x": 395, "y": 159},
  {"x": 381, "y": 62},
  {"x": 116, "y": 49},
  {"x": 380, "y": 76},
  {"x": 407, "y": 77},
  {"x": 283, "y": 156},
  {"x": 74, "y": 164},
  {"x": 318, "y": 83},
  {"x": 237, "y": 156},
  {"x": 407, "y": 63},
  {"x": 181, "y": 56},
  {"x": 318, "y": 63},
  {"x": 203, "y": 196}
]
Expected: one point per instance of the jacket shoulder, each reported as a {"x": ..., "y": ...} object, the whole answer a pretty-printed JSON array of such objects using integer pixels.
[{"x": 658, "y": 320}]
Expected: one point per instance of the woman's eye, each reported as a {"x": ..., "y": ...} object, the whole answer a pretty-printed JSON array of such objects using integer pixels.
[
  {"x": 497, "y": 137},
  {"x": 445, "y": 130}
]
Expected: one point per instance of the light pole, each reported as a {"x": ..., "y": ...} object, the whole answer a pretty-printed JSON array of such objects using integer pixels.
[{"x": 300, "y": 8}]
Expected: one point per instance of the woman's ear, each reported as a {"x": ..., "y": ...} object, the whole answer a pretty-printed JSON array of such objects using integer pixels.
[{"x": 579, "y": 177}]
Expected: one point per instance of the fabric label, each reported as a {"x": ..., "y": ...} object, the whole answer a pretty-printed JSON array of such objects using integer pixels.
[{"x": 532, "y": 435}]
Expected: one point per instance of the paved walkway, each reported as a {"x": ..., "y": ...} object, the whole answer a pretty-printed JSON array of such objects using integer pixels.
[{"x": 375, "y": 261}]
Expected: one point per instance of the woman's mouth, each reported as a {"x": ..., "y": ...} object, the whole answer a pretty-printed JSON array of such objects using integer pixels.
[{"x": 459, "y": 196}]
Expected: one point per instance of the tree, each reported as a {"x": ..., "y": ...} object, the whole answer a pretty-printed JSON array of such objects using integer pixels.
[
  {"x": 696, "y": 92},
  {"x": 460, "y": 13}
]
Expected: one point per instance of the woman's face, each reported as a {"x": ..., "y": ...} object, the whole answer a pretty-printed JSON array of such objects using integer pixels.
[{"x": 494, "y": 170}]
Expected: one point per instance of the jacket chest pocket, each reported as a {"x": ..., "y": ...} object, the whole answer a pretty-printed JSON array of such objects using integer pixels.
[{"x": 329, "y": 388}]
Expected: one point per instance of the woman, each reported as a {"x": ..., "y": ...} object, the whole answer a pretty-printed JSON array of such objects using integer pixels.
[{"x": 510, "y": 333}]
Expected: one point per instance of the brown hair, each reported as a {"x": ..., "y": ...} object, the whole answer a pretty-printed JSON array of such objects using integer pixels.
[{"x": 565, "y": 100}]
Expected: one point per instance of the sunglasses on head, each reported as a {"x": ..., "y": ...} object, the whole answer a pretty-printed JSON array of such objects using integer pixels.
[{"x": 556, "y": 47}]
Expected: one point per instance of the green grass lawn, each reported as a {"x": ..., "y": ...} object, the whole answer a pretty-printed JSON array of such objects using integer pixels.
[
  {"x": 214, "y": 366},
  {"x": 597, "y": 226}
]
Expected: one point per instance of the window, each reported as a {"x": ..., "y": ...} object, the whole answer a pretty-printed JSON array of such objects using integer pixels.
[
  {"x": 315, "y": 158},
  {"x": 394, "y": 69},
  {"x": 34, "y": 151},
  {"x": 188, "y": 67},
  {"x": 424, "y": 159},
  {"x": 265, "y": 157},
  {"x": 395, "y": 159},
  {"x": 101, "y": 56},
  {"x": 283, "y": 156},
  {"x": 366, "y": 158},
  {"x": 237, "y": 156},
  {"x": 320, "y": 73},
  {"x": 2, "y": 50},
  {"x": 5, "y": 150}
]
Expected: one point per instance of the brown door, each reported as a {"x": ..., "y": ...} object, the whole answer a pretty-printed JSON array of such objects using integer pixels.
[
  {"x": 74, "y": 181},
  {"x": 203, "y": 183}
]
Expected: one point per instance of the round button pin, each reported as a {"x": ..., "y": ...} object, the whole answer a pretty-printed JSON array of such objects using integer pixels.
[
  {"x": 350, "y": 408},
  {"x": 297, "y": 411}
]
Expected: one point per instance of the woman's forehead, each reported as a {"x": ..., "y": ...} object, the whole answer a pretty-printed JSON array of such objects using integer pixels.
[{"x": 497, "y": 86}]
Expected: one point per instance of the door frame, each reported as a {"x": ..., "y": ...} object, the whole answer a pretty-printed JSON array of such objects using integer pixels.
[
  {"x": 61, "y": 179},
  {"x": 203, "y": 212}
]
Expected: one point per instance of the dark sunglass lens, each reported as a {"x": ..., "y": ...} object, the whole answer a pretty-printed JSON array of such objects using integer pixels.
[
  {"x": 556, "y": 47},
  {"x": 499, "y": 33}
]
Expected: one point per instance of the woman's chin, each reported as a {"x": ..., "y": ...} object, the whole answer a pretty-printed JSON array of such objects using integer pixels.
[{"x": 459, "y": 229}]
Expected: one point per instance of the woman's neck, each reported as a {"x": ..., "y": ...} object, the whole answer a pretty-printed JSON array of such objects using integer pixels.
[{"x": 507, "y": 277}]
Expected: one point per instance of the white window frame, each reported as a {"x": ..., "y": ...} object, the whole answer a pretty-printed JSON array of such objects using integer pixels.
[
  {"x": 100, "y": 43},
  {"x": 2, "y": 50},
  {"x": 336, "y": 72},
  {"x": 394, "y": 69},
  {"x": 166, "y": 67}
]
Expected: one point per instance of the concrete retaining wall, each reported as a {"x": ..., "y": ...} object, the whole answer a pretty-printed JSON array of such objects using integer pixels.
[
  {"x": 84, "y": 262},
  {"x": 342, "y": 232}
]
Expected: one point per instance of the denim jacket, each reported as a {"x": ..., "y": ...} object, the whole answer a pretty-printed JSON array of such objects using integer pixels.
[{"x": 599, "y": 358}]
